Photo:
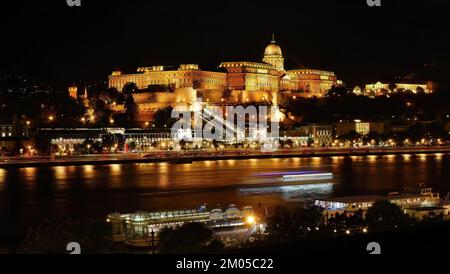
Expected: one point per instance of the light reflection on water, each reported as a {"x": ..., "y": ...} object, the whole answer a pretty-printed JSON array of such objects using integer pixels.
[
  {"x": 293, "y": 192},
  {"x": 28, "y": 195},
  {"x": 406, "y": 157}
]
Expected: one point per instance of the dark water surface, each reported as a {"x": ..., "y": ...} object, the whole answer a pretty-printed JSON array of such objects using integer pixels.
[{"x": 28, "y": 195}]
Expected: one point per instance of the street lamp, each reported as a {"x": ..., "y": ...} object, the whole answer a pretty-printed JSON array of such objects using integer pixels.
[{"x": 250, "y": 219}]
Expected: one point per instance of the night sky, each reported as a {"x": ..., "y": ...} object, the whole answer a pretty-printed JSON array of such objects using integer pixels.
[{"x": 50, "y": 41}]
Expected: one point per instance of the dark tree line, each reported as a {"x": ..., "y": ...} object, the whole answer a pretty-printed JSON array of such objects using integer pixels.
[
  {"x": 298, "y": 223},
  {"x": 340, "y": 104}
]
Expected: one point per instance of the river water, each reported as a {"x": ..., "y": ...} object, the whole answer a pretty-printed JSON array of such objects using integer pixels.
[{"x": 28, "y": 195}]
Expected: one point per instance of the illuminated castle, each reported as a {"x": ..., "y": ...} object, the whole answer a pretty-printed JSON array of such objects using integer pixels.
[
  {"x": 240, "y": 82},
  {"x": 73, "y": 92}
]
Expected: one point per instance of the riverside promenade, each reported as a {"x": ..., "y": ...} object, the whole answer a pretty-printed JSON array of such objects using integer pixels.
[{"x": 204, "y": 155}]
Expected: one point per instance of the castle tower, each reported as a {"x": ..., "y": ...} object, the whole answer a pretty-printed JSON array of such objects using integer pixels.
[
  {"x": 84, "y": 98},
  {"x": 73, "y": 92},
  {"x": 273, "y": 55}
]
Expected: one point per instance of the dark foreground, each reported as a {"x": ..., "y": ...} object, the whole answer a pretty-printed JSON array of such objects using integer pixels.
[{"x": 421, "y": 240}]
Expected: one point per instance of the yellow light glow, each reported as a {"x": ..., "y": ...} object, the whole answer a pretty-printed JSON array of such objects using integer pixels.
[{"x": 250, "y": 219}]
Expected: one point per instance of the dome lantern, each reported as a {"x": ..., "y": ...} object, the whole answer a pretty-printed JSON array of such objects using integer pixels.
[{"x": 273, "y": 55}]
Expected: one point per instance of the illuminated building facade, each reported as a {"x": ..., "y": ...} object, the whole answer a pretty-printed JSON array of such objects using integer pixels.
[
  {"x": 187, "y": 75},
  {"x": 360, "y": 127},
  {"x": 380, "y": 88},
  {"x": 308, "y": 82},
  {"x": 252, "y": 82},
  {"x": 10, "y": 134},
  {"x": 241, "y": 82},
  {"x": 142, "y": 228},
  {"x": 322, "y": 135}
]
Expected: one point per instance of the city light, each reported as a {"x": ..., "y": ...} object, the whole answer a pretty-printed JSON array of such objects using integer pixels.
[{"x": 250, "y": 219}]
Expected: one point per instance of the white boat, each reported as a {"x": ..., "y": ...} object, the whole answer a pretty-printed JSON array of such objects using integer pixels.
[{"x": 307, "y": 177}]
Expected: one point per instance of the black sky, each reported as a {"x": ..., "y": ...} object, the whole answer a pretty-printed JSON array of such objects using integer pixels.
[{"x": 49, "y": 40}]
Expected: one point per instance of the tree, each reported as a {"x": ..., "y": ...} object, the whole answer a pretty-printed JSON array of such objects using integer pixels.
[
  {"x": 227, "y": 94},
  {"x": 158, "y": 88},
  {"x": 52, "y": 236},
  {"x": 189, "y": 238},
  {"x": 215, "y": 144},
  {"x": 339, "y": 91},
  {"x": 111, "y": 95},
  {"x": 339, "y": 221},
  {"x": 372, "y": 135},
  {"x": 129, "y": 88},
  {"x": 163, "y": 117},
  {"x": 350, "y": 136},
  {"x": 164, "y": 234},
  {"x": 131, "y": 109},
  {"x": 416, "y": 132},
  {"x": 384, "y": 215},
  {"x": 101, "y": 112},
  {"x": 356, "y": 220},
  {"x": 392, "y": 86},
  {"x": 292, "y": 224},
  {"x": 195, "y": 84},
  {"x": 436, "y": 130},
  {"x": 113, "y": 140}
]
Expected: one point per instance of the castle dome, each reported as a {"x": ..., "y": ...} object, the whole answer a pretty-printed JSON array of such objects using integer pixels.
[{"x": 273, "y": 49}]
